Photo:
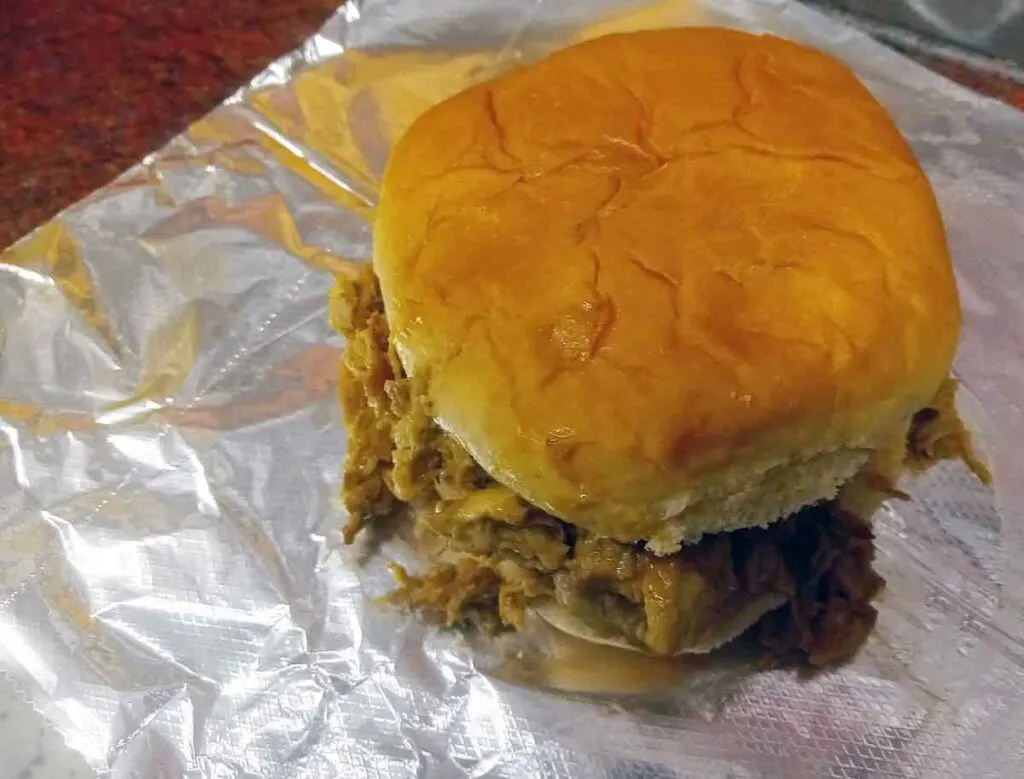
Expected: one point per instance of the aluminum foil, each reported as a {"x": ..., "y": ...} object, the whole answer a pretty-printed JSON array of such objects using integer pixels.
[{"x": 173, "y": 597}]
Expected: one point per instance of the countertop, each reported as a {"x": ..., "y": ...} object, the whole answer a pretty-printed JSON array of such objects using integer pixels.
[{"x": 86, "y": 89}]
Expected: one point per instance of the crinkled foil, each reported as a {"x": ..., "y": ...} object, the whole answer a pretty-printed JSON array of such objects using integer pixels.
[{"x": 172, "y": 594}]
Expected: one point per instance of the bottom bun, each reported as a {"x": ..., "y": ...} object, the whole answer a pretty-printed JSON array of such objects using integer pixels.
[{"x": 732, "y": 626}]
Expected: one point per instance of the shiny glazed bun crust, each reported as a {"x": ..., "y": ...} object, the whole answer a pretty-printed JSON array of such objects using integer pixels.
[{"x": 670, "y": 282}]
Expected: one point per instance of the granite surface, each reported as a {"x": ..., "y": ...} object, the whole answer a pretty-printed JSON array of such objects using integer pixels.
[{"x": 86, "y": 89}]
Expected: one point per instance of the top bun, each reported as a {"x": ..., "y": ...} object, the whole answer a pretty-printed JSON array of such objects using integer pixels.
[{"x": 667, "y": 283}]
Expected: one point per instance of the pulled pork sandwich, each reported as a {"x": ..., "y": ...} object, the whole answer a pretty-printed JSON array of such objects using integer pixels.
[{"x": 652, "y": 326}]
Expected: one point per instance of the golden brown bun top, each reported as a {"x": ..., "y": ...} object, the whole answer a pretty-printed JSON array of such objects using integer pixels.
[{"x": 657, "y": 258}]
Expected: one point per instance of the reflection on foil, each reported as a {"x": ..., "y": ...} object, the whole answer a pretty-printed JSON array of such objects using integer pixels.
[
  {"x": 50, "y": 255},
  {"x": 172, "y": 595},
  {"x": 542, "y": 657}
]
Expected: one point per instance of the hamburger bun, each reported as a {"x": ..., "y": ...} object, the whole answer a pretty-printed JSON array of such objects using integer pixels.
[
  {"x": 719, "y": 633},
  {"x": 658, "y": 306}
]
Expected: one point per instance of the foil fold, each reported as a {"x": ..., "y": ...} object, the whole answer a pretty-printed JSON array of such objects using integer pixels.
[{"x": 173, "y": 595}]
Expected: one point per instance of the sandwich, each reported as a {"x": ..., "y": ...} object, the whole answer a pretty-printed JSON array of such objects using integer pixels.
[{"x": 652, "y": 326}]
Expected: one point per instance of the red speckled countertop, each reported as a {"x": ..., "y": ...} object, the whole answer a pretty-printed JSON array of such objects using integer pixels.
[{"x": 86, "y": 89}]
